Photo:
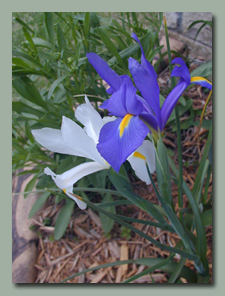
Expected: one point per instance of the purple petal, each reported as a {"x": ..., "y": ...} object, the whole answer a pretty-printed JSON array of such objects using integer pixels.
[
  {"x": 181, "y": 71},
  {"x": 117, "y": 141},
  {"x": 150, "y": 120},
  {"x": 103, "y": 69},
  {"x": 124, "y": 100},
  {"x": 201, "y": 81},
  {"x": 147, "y": 84},
  {"x": 171, "y": 101},
  {"x": 144, "y": 62}
]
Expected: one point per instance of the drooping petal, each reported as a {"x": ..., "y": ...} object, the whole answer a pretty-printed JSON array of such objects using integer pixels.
[
  {"x": 171, "y": 101},
  {"x": 147, "y": 85},
  {"x": 144, "y": 62},
  {"x": 181, "y": 70},
  {"x": 201, "y": 81},
  {"x": 90, "y": 118},
  {"x": 116, "y": 104},
  {"x": 145, "y": 154},
  {"x": 71, "y": 139},
  {"x": 124, "y": 100},
  {"x": 119, "y": 138},
  {"x": 69, "y": 192},
  {"x": 71, "y": 176},
  {"x": 106, "y": 73}
]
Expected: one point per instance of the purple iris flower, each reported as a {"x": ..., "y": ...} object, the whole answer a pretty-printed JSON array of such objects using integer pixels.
[{"x": 136, "y": 115}]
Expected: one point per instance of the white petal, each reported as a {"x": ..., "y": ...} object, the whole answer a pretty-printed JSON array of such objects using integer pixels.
[
  {"x": 107, "y": 119},
  {"x": 82, "y": 205},
  {"x": 52, "y": 140},
  {"x": 90, "y": 118},
  {"x": 71, "y": 139},
  {"x": 139, "y": 165},
  {"x": 71, "y": 176}
]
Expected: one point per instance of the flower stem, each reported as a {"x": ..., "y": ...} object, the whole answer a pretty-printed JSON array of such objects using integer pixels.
[{"x": 173, "y": 83}]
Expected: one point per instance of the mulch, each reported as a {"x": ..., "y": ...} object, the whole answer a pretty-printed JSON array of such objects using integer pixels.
[{"x": 84, "y": 244}]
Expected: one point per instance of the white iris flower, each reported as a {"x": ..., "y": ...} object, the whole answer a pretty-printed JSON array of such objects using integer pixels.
[{"x": 74, "y": 140}]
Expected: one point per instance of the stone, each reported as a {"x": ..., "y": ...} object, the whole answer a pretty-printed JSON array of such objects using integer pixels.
[{"x": 24, "y": 241}]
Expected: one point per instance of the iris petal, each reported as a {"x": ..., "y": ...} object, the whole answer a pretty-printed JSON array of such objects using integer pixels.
[
  {"x": 90, "y": 118},
  {"x": 123, "y": 101},
  {"x": 71, "y": 176},
  {"x": 171, "y": 101},
  {"x": 116, "y": 103},
  {"x": 150, "y": 120},
  {"x": 69, "y": 191},
  {"x": 106, "y": 73},
  {"x": 201, "y": 81},
  {"x": 181, "y": 71},
  {"x": 144, "y": 62},
  {"x": 147, "y": 85},
  {"x": 115, "y": 148},
  {"x": 145, "y": 154},
  {"x": 71, "y": 139}
]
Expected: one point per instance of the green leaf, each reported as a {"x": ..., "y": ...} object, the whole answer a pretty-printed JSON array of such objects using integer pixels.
[
  {"x": 94, "y": 21},
  {"x": 38, "y": 204},
  {"x": 63, "y": 219},
  {"x": 43, "y": 43},
  {"x": 98, "y": 179},
  {"x": 19, "y": 21},
  {"x": 61, "y": 38},
  {"x": 176, "y": 223},
  {"x": 86, "y": 24},
  {"x": 23, "y": 55},
  {"x": 124, "y": 187},
  {"x": 111, "y": 47},
  {"x": 55, "y": 84},
  {"x": 207, "y": 218},
  {"x": 30, "y": 185},
  {"x": 29, "y": 39},
  {"x": 124, "y": 53},
  {"x": 26, "y": 88},
  {"x": 20, "y": 108},
  {"x": 147, "y": 237},
  {"x": 196, "y": 191},
  {"x": 205, "y": 70},
  {"x": 202, "y": 267},
  {"x": 177, "y": 271},
  {"x": 185, "y": 272},
  {"x": 49, "y": 26},
  {"x": 28, "y": 132},
  {"x": 106, "y": 222},
  {"x": 210, "y": 155},
  {"x": 163, "y": 173},
  {"x": 149, "y": 270}
]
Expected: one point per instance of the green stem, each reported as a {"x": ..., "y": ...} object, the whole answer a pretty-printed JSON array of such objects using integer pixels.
[{"x": 173, "y": 83}]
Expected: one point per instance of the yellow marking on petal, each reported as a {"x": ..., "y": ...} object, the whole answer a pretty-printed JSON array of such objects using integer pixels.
[
  {"x": 64, "y": 190},
  {"x": 124, "y": 123},
  {"x": 198, "y": 78},
  {"x": 139, "y": 155},
  {"x": 77, "y": 196}
]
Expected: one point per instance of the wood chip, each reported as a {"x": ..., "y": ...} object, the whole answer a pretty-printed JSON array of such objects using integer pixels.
[
  {"x": 94, "y": 217},
  {"x": 100, "y": 276}
]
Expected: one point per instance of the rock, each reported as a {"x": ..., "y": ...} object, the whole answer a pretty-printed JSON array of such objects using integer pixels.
[{"x": 24, "y": 241}]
